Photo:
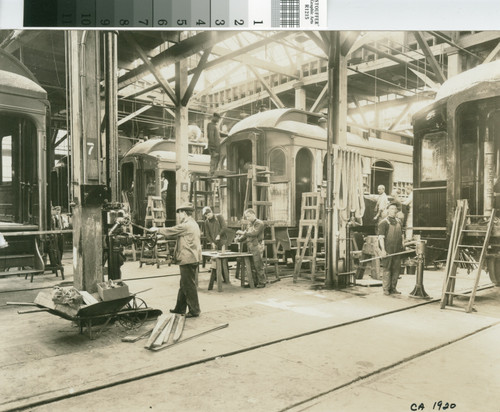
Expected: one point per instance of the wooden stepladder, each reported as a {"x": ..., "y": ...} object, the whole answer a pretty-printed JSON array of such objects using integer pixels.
[
  {"x": 155, "y": 216},
  {"x": 459, "y": 255},
  {"x": 257, "y": 191},
  {"x": 308, "y": 241},
  {"x": 257, "y": 198},
  {"x": 204, "y": 191}
]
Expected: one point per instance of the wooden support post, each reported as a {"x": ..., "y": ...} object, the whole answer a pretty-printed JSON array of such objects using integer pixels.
[
  {"x": 181, "y": 131},
  {"x": 84, "y": 79}
]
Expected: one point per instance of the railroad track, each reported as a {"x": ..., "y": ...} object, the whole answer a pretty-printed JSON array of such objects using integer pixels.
[{"x": 270, "y": 344}]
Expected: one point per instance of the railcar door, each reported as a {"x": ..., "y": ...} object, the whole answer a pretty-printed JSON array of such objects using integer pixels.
[
  {"x": 19, "y": 165},
  {"x": 303, "y": 178}
]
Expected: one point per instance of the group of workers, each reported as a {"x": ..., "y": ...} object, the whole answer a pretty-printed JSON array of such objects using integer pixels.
[{"x": 188, "y": 250}]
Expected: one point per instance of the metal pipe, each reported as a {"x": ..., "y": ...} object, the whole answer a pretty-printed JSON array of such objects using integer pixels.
[
  {"x": 332, "y": 138},
  {"x": 111, "y": 81}
]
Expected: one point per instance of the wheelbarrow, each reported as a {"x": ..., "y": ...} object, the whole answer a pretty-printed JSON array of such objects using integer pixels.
[{"x": 130, "y": 311}]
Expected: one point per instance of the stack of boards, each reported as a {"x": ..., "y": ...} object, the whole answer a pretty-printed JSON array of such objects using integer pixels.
[{"x": 167, "y": 331}]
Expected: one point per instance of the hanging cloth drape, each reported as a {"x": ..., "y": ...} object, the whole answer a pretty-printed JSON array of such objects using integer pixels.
[{"x": 347, "y": 183}]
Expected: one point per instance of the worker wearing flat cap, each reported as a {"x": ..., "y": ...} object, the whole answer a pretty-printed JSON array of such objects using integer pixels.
[
  {"x": 391, "y": 241},
  {"x": 215, "y": 228},
  {"x": 187, "y": 256}
]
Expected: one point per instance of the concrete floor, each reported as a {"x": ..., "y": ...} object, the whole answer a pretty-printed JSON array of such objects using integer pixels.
[{"x": 288, "y": 347}]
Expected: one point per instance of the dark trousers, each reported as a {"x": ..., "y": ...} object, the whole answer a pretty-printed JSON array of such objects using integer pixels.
[
  {"x": 214, "y": 159},
  {"x": 391, "y": 268},
  {"x": 188, "y": 293},
  {"x": 257, "y": 264}
]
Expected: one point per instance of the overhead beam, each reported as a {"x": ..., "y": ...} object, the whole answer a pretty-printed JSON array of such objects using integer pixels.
[
  {"x": 492, "y": 54},
  {"x": 430, "y": 57},
  {"x": 229, "y": 56},
  {"x": 360, "y": 109},
  {"x": 262, "y": 64},
  {"x": 450, "y": 41},
  {"x": 199, "y": 69},
  {"x": 246, "y": 49},
  {"x": 136, "y": 113},
  {"x": 433, "y": 85},
  {"x": 398, "y": 119},
  {"x": 391, "y": 57},
  {"x": 396, "y": 102},
  {"x": 176, "y": 53},
  {"x": 151, "y": 67},
  {"x": 347, "y": 40},
  {"x": 319, "y": 42},
  {"x": 273, "y": 95},
  {"x": 320, "y": 99}
]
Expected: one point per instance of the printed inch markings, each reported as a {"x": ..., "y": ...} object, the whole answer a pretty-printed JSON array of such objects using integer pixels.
[
  {"x": 85, "y": 13},
  {"x": 181, "y": 13},
  {"x": 162, "y": 10},
  {"x": 238, "y": 13},
  {"x": 219, "y": 13},
  {"x": 66, "y": 10},
  {"x": 105, "y": 13},
  {"x": 200, "y": 13},
  {"x": 143, "y": 13},
  {"x": 124, "y": 13}
]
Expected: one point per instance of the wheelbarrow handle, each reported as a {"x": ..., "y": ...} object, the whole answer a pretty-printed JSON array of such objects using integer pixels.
[{"x": 141, "y": 291}]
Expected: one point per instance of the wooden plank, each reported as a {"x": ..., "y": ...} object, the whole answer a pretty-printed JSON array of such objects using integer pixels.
[
  {"x": 165, "y": 334},
  {"x": 160, "y": 325},
  {"x": 179, "y": 328},
  {"x": 158, "y": 348}
]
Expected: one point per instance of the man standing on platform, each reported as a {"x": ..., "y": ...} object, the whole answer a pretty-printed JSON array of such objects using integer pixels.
[
  {"x": 187, "y": 256},
  {"x": 254, "y": 236},
  {"x": 390, "y": 236},
  {"x": 213, "y": 136}
]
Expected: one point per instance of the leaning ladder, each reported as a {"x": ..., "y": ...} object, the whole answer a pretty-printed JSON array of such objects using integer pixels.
[
  {"x": 257, "y": 198},
  {"x": 155, "y": 216},
  {"x": 308, "y": 241},
  {"x": 458, "y": 250}
]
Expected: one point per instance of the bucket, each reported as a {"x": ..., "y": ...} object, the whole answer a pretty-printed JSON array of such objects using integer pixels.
[{"x": 411, "y": 270}]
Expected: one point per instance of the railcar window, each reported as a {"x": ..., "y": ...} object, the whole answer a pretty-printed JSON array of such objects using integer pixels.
[
  {"x": 6, "y": 159},
  {"x": 277, "y": 163},
  {"x": 433, "y": 153}
]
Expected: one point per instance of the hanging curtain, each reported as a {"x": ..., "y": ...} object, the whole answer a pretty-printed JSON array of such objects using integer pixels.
[{"x": 348, "y": 192}]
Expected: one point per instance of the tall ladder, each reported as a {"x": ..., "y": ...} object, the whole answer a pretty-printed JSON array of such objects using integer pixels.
[
  {"x": 257, "y": 191},
  {"x": 311, "y": 220},
  {"x": 459, "y": 255},
  {"x": 257, "y": 198},
  {"x": 155, "y": 216},
  {"x": 204, "y": 191}
]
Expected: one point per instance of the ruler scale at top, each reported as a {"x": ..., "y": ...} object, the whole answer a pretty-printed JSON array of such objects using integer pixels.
[{"x": 192, "y": 14}]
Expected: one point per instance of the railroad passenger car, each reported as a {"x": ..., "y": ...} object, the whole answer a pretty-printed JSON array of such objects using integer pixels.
[
  {"x": 293, "y": 146},
  {"x": 23, "y": 166},
  {"x": 143, "y": 166},
  {"x": 457, "y": 155}
]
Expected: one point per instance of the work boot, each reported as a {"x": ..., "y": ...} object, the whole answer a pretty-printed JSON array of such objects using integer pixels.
[
  {"x": 396, "y": 292},
  {"x": 387, "y": 293}
]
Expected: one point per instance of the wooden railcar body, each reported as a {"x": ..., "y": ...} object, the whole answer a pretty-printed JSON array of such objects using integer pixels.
[
  {"x": 145, "y": 163},
  {"x": 23, "y": 163},
  {"x": 293, "y": 146},
  {"x": 457, "y": 154}
]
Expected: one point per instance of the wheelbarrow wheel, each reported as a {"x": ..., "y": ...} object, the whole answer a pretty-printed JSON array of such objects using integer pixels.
[{"x": 136, "y": 318}]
